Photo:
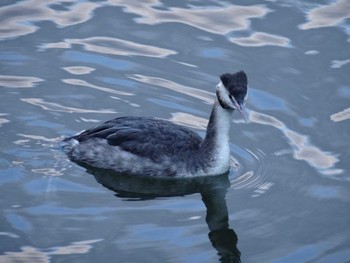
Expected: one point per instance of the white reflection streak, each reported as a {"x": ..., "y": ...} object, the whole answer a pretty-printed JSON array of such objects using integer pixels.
[
  {"x": 79, "y": 82},
  {"x": 3, "y": 120},
  {"x": 164, "y": 83},
  {"x": 216, "y": 20},
  {"x": 113, "y": 46},
  {"x": 79, "y": 70},
  {"x": 9, "y": 81},
  {"x": 38, "y": 137},
  {"x": 339, "y": 63},
  {"x": 186, "y": 64},
  {"x": 259, "y": 39},
  {"x": 8, "y": 234},
  {"x": 33, "y": 254},
  {"x": 51, "y": 106},
  {"x": 327, "y": 15},
  {"x": 189, "y": 120},
  {"x": 48, "y": 171},
  {"x": 80, "y": 247},
  {"x": 303, "y": 150},
  {"x": 341, "y": 116},
  {"x": 17, "y": 18},
  {"x": 244, "y": 181}
]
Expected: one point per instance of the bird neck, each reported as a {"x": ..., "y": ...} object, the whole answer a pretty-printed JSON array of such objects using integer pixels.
[{"x": 215, "y": 146}]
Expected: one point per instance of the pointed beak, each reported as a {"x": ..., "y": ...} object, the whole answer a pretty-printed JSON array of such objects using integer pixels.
[
  {"x": 243, "y": 112},
  {"x": 241, "y": 109}
]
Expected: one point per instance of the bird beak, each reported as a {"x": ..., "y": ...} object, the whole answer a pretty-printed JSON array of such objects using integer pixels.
[{"x": 241, "y": 109}]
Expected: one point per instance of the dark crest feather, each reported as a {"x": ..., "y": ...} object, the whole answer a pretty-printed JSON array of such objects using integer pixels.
[
  {"x": 238, "y": 78},
  {"x": 236, "y": 84}
]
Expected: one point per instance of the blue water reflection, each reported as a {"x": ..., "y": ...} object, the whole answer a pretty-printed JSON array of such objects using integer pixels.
[
  {"x": 103, "y": 61},
  {"x": 266, "y": 102},
  {"x": 18, "y": 222}
]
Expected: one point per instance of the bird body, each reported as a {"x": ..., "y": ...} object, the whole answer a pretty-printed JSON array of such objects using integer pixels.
[{"x": 155, "y": 147}]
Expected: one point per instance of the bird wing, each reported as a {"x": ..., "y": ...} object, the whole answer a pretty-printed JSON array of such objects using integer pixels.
[{"x": 147, "y": 137}]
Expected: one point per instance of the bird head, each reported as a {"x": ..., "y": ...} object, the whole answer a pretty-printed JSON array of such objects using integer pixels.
[{"x": 232, "y": 92}]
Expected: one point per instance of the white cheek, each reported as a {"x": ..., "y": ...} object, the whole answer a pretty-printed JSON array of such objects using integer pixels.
[{"x": 223, "y": 94}]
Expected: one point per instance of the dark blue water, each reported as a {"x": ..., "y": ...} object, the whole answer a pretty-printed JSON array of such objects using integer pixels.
[{"x": 68, "y": 65}]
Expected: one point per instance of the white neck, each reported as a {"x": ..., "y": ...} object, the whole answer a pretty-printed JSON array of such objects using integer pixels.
[{"x": 216, "y": 143}]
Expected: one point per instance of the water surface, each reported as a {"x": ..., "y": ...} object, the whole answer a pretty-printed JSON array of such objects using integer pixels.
[{"x": 68, "y": 65}]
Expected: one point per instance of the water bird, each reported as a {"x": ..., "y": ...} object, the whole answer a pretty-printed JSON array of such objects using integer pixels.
[{"x": 154, "y": 147}]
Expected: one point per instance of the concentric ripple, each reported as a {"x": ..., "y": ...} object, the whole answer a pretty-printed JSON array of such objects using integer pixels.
[{"x": 262, "y": 169}]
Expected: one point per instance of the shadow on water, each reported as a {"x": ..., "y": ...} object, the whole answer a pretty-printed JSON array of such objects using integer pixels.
[{"x": 213, "y": 190}]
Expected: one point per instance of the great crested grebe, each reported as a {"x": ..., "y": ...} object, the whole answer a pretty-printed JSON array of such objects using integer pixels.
[{"x": 155, "y": 147}]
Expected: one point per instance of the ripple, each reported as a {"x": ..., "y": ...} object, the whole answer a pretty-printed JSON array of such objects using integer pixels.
[
  {"x": 260, "y": 39},
  {"x": 164, "y": 83},
  {"x": 51, "y": 106},
  {"x": 324, "y": 162},
  {"x": 312, "y": 52},
  {"x": 10, "y": 235},
  {"x": 49, "y": 185},
  {"x": 9, "y": 81},
  {"x": 79, "y": 70},
  {"x": 89, "y": 120},
  {"x": 33, "y": 149},
  {"x": 3, "y": 120},
  {"x": 216, "y": 19},
  {"x": 31, "y": 139},
  {"x": 33, "y": 254},
  {"x": 332, "y": 14},
  {"x": 113, "y": 46},
  {"x": 51, "y": 209},
  {"x": 18, "y": 19},
  {"x": 80, "y": 82},
  {"x": 341, "y": 116},
  {"x": 48, "y": 171},
  {"x": 186, "y": 64},
  {"x": 265, "y": 168},
  {"x": 38, "y": 137},
  {"x": 171, "y": 104},
  {"x": 339, "y": 63},
  {"x": 189, "y": 120},
  {"x": 97, "y": 59}
]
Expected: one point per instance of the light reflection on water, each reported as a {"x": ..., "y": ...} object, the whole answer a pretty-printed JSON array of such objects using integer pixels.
[
  {"x": 67, "y": 65},
  {"x": 52, "y": 106},
  {"x": 332, "y": 14},
  {"x": 112, "y": 46},
  {"x": 32, "y": 254},
  {"x": 303, "y": 150},
  {"x": 18, "y": 81}
]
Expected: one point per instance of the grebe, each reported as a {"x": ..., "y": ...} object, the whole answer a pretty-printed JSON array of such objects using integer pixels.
[{"x": 153, "y": 147}]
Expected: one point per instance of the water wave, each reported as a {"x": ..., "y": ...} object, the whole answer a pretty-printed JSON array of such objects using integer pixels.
[
  {"x": 302, "y": 148},
  {"x": 52, "y": 106},
  {"x": 10, "y": 81},
  {"x": 39, "y": 255},
  {"x": 112, "y": 46},
  {"x": 332, "y": 14}
]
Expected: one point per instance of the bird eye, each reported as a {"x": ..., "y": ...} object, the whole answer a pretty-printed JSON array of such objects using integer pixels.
[{"x": 230, "y": 97}]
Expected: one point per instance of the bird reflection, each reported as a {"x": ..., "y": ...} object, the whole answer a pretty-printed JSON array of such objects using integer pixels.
[{"x": 212, "y": 189}]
